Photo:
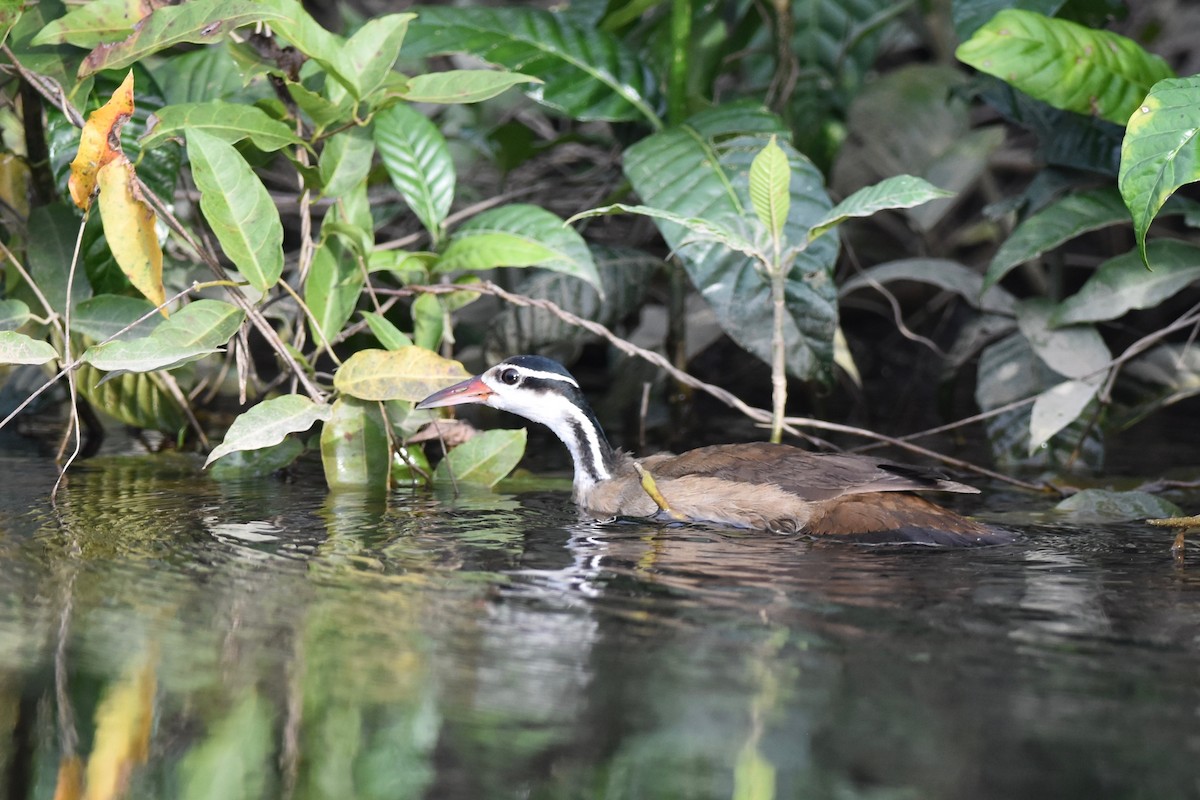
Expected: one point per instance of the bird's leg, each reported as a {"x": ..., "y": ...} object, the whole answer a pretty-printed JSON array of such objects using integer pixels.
[{"x": 651, "y": 488}]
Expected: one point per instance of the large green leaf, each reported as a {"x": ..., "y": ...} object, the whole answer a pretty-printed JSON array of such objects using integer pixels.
[
  {"x": 138, "y": 399},
  {"x": 1010, "y": 371},
  {"x": 17, "y": 348},
  {"x": 410, "y": 373},
  {"x": 239, "y": 209},
  {"x": 388, "y": 334},
  {"x": 701, "y": 170},
  {"x": 355, "y": 449},
  {"x": 1064, "y": 64},
  {"x": 229, "y": 122},
  {"x": 416, "y": 157},
  {"x": 1059, "y": 406},
  {"x": 588, "y": 74},
  {"x": 267, "y": 423},
  {"x": 1092, "y": 506},
  {"x": 1059, "y": 222},
  {"x": 1122, "y": 284},
  {"x": 204, "y": 74},
  {"x": 462, "y": 85},
  {"x": 192, "y": 332},
  {"x": 519, "y": 235},
  {"x": 53, "y": 230},
  {"x": 625, "y": 275},
  {"x": 106, "y": 314},
  {"x": 331, "y": 292},
  {"x": 195, "y": 22},
  {"x": 486, "y": 458},
  {"x": 1075, "y": 351},
  {"x": 1161, "y": 151}
]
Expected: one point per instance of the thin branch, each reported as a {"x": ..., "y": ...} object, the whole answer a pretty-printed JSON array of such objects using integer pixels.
[{"x": 759, "y": 415}]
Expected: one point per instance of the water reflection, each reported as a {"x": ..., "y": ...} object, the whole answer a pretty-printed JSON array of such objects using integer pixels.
[{"x": 165, "y": 635}]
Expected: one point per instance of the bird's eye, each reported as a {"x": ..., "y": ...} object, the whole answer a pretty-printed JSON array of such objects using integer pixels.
[{"x": 510, "y": 377}]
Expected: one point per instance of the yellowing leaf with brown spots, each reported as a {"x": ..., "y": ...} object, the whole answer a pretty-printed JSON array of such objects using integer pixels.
[
  {"x": 410, "y": 373},
  {"x": 100, "y": 142},
  {"x": 129, "y": 228}
]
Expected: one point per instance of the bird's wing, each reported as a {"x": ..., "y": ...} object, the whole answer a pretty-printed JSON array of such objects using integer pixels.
[{"x": 810, "y": 476}]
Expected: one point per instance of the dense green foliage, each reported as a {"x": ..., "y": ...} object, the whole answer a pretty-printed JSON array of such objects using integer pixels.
[{"x": 320, "y": 213}]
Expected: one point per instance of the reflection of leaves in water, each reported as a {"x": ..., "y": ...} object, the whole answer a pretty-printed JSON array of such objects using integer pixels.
[
  {"x": 232, "y": 761},
  {"x": 123, "y": 724}
]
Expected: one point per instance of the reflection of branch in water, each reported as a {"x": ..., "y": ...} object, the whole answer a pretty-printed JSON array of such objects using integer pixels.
[{"x": 70, "y": 770}]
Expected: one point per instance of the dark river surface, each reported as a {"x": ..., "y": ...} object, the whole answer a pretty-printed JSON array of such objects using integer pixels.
[{"x": 163, "y": 635}]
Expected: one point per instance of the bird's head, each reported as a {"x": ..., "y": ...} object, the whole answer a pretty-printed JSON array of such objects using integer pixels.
[{"x": 536, "y": 388}]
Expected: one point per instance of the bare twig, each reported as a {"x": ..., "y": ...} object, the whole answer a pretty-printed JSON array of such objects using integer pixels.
[{"x": 759, "y": 415}]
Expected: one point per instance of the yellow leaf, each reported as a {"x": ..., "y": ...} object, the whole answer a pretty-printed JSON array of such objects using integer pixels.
[
  {"x": 100, "y": 142},
  {"x": 129, "y": 228},
  {"x": 123, "y": 723}
]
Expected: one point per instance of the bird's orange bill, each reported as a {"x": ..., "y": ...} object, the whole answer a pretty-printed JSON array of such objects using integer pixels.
[{"x": 472, "y": 390}]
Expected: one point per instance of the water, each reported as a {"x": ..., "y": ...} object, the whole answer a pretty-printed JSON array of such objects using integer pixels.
[{"x": 166, "y": 635}]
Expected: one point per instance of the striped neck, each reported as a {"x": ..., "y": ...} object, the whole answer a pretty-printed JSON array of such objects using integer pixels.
[{"x": 576, "y": 426}]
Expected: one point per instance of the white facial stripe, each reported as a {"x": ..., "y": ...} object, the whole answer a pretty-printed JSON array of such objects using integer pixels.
[{"x": 546, "y": 376}]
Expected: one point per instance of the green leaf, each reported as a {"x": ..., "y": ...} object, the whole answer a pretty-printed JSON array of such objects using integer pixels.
[
  {"x": 588, "y": 74},
  {"x": 207, "y": 73},
  {"x": 50, "y": 254},
  {"x": 1075, "y": 351},
  {"x": 519, "y": 235},
  {"x": 232, "y": 761},
  {"x": 1057, "y": 407},
  {"x": 331, "y": 292},
  {"x": 699, "y": 230},
  {"x": 388, "y": 334},
  {"x": 1069, "y": 66},
  {"x": 462, "y": 85},
  {"x": 770, "y": 176},
  {"x": 900, "y": 191},
  {"x": 239, "y": 209},
  {"x": 13, "y": 314},
  {"x": 428, "y": 322},
  {"x": 700, "y": 170},
  {"x": 104, "y": 315},
  {"x": 970, "y": 16},
  {"x": 192, "y": 332},
  {"x": 1161, "y": 151},
  {"x": 194, "y": 22},
  {"x": 355, "y": 451},
  {"x": 412, "y": 373},
  {"x": 486, "y": 458},
  {"x": 1123, "y": 283},
  {"x": 1059, "y": 222},
  {"x": 368, "y": 56},
  {"x": 257, "y": 463},
  {"x": 299, "y": 29},
  {"x": 229, "y": 122},
  {"x": 345, "y": 161},
  {"x": 416, "y": 157},
  {"x": 1101, "y": 505},
  {"x": 1010, "y": 371},
  {"x": 267, "y": 424},
  {"x": 137, "y": 399},
  {"x": 948, "y": 275},
  {"x": 625, "y": 274},
  {"x": 91, "y": 24},
  {"x": 17, "y": 348}
]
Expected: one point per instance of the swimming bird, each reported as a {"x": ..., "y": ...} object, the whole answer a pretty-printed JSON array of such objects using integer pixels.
[{"x": 773, "y": 487}]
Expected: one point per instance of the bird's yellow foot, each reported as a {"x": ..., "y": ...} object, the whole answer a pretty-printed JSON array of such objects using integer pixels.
[{"x": 651, "y": 488}]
